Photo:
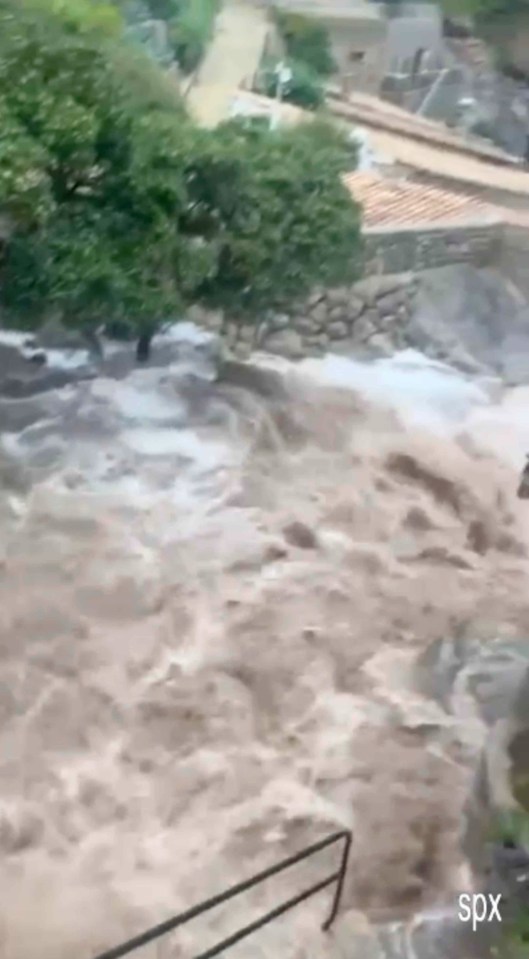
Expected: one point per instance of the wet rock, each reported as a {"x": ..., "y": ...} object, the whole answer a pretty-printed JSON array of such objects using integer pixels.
[
  {"x": 339, "y": 296},
  {"x": 319, "y": 313},
  {"x": 437, "y": 936},
  {"x": 338, "y": 330},
  {"x": 316, "y": 297},
  {"x": 287, "y": 343},
  {"x": 487, "y": 683},
  {"x": 278, "y": 321},
  {"x": 38, "y": 359},
  {"x": 382, "y": 344},
  {"x": 491, "y": 674},
  {"x": 306, "y": 324},
  {"x": 390, "y": 303},
  {"x": 375, "y": 287},
  {"x": 342, "y": 347},
  {"x": 242, "y": 351},
  {"x": 364, "y": 327},
  {"x": 509, "y": 877}
]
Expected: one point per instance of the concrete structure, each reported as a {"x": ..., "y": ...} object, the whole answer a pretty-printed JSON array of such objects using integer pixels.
[
  {"x": 416, "y": 52},
  {"x": 430, "y": 154},
  {"x": 414, "y": 38},
  {"x": 357, "y": 31}
]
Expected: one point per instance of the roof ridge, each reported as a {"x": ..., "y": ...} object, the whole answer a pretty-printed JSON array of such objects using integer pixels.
[{"x": 389, "y": 202}]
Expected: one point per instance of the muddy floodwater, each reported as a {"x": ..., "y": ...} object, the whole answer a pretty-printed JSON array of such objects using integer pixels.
[{"x": 210, "y": 603}]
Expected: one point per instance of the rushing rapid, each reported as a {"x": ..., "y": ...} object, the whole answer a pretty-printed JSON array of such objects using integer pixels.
[{"x": 211, "y": 598}]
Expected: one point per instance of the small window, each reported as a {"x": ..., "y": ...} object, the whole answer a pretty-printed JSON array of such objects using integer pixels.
[{"x": 356, "y": 56}]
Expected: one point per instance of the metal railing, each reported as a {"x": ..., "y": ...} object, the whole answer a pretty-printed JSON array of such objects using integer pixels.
[{"x": 169, "y": 925}]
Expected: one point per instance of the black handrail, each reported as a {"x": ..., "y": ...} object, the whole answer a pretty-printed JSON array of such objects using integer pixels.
[{"x": 164, "y": 927}]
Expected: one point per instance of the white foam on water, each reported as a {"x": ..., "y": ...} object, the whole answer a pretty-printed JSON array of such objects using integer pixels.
[
  {"x": 503, "y": 428},
  {"x": 204, "y": 456},
  {"x": 423, "y": 391},
  {"x": 138, "y": 399}
]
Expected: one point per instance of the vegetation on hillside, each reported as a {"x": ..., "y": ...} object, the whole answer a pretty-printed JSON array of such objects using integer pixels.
[
  {"x": 123, "y": 212},
  {"x": 511, "y": 829},
  {"x": 304, "y": 88},
  {"x": 308, "y": 56},
  {"x": 189, "y": 27},
  {"x": 190, "y": 31},
  {"x": 306, "y": 40}
]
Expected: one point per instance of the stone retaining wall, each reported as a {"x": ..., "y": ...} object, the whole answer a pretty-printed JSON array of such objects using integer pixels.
[{"x": 374, "y": 313}]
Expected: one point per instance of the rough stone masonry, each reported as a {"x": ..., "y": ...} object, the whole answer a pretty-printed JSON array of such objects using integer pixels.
[{"x": 374, "y": 313}]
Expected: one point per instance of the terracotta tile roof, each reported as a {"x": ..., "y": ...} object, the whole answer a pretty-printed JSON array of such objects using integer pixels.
[{"x": 389, "y": 203}]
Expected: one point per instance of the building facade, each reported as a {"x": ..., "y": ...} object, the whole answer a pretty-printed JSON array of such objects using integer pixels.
[{"x": 357, "y": 31}]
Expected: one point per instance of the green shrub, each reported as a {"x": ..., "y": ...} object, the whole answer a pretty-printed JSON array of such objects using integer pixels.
[
  {"x": 305, "y": 88},
  {"x": 306, "y": 41},
  {"x": 83, "y": 15}
]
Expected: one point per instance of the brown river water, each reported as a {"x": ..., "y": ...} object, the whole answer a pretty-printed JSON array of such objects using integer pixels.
[{"x": 209, "y": 611}]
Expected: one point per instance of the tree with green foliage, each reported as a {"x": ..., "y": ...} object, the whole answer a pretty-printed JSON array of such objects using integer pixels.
[
  {"x": 190, "y": 31},
  {"x": 282, "y": 218},
  {"x": 85, "y": 15},
  {"x": 123, "y": 212},
  {"x": 304, "y": 87},
  {"x": 93, "y": 177}
]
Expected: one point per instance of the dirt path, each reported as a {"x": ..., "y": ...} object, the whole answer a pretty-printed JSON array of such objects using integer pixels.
[{"x": 233, "y": 56}]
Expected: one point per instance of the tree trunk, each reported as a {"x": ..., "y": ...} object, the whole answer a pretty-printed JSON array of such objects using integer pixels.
[{"x": 143, "y": 347}]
